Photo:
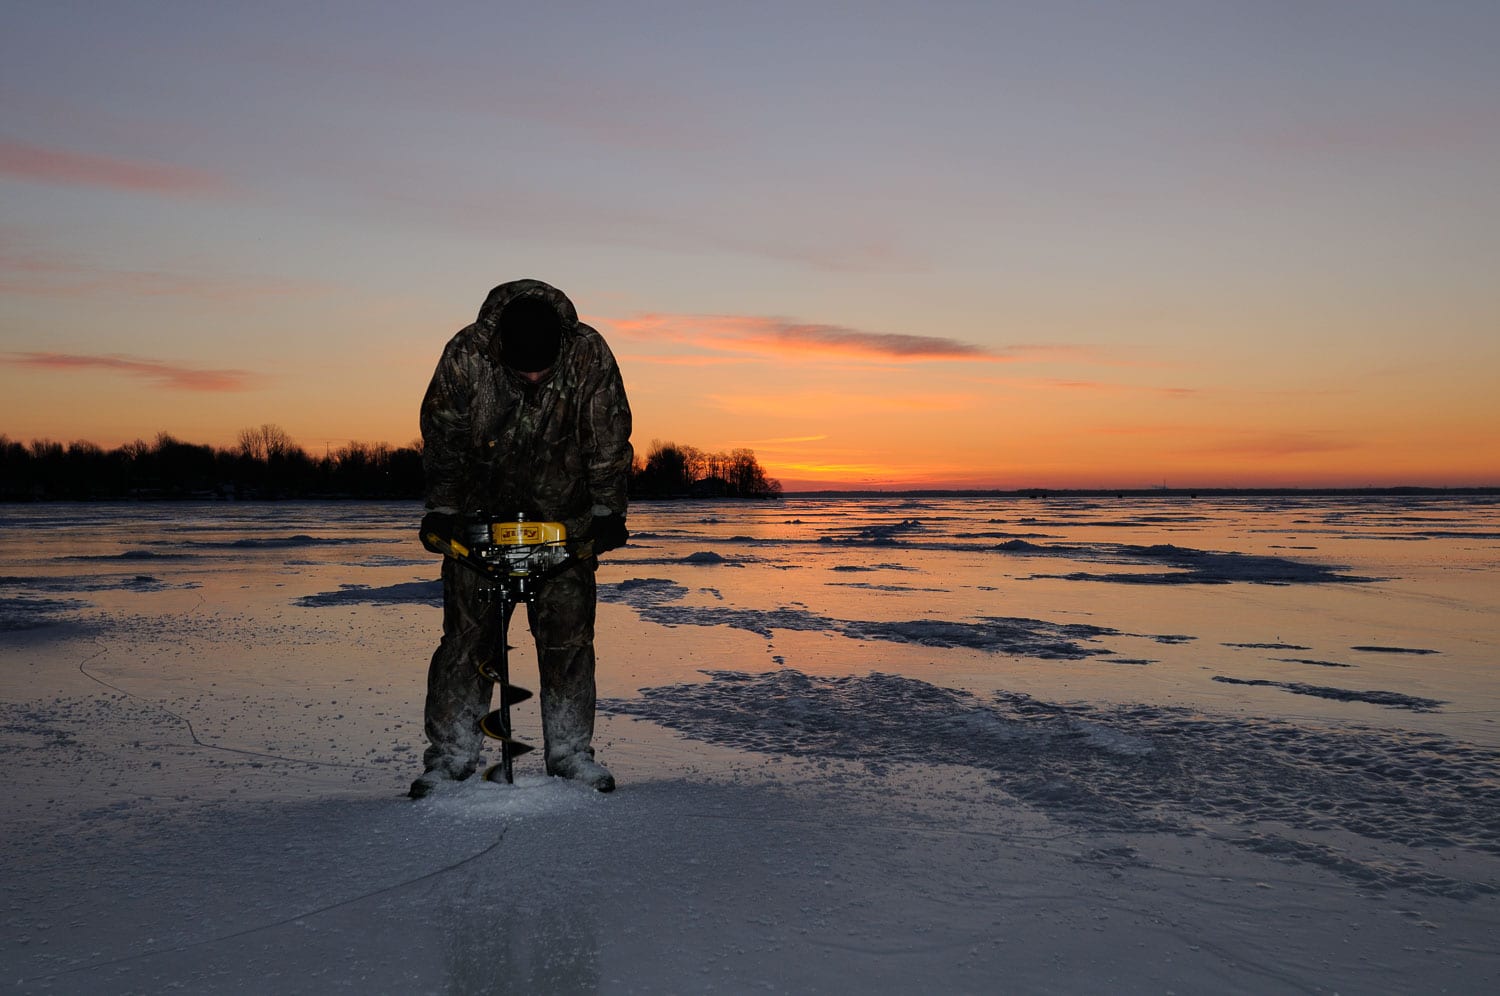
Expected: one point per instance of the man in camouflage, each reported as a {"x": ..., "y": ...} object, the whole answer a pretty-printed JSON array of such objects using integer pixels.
[{"x": 527, "y": 414}]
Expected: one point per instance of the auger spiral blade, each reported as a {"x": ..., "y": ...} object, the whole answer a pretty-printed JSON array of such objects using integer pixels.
[
  {"x": 509, "y": 694},
  {"x": 496, "y": 773},
  {"x": 493, "y": 725}
]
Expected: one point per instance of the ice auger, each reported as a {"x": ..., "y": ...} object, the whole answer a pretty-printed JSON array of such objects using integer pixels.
[{"x": 515, "y": 557}]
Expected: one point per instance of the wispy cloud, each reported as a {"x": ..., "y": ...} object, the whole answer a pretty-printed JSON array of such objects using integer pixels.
[
  {"x": 782, "y": 440},
  {"x": 1274, "y": 444},
  {"x": 666, "y": 360},
  {"x": 48, "y": 275},
  {"x": 168, "y": 375},
  {"x": 842, "y": 404},
  {"x": 64, "y": 167},
  {"x": 781, "y": 337},
  {"x": 1108, "y": 387}
]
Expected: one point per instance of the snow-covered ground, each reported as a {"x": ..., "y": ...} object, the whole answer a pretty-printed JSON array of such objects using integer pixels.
[{"x": 1227, "y": 745}]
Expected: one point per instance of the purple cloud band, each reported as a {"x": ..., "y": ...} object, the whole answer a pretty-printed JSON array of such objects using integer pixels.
[
  {"x": 168, "y": 375},
  {"x": 67, "y": 168}
]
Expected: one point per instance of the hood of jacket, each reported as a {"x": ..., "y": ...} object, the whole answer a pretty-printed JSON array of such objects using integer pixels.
[{"x": 497, "y": 299}]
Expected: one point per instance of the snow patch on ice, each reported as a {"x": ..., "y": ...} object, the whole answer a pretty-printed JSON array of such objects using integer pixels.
[{"x": 1396, "y": 794}]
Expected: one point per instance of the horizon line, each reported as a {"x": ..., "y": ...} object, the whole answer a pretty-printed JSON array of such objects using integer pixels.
[{"x": 835, "y": 489}]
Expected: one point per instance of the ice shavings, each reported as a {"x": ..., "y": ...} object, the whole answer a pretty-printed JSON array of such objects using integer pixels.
[{"x": 1367, "y": 805}]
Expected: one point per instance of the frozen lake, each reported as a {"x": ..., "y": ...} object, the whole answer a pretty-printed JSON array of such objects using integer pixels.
[{"x": 904, "y": 742}]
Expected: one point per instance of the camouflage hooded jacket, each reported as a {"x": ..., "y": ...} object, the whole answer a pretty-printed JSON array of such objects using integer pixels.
[{"x": 557, "y": 450}]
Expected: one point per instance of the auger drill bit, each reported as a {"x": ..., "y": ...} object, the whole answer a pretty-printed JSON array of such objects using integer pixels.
[{"x": 496, "y": 724}]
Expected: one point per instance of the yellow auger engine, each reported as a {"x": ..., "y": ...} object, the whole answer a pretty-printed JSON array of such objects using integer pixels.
[{"x": 515, "y": 557}]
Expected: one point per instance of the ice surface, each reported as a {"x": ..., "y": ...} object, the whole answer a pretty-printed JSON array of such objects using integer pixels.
[
  {"x": 934, "y": 779},
  {"x": 1395, "y": 700},
  {"x": 24, "y": 612},
  {"x": 1139, "y": 768}
]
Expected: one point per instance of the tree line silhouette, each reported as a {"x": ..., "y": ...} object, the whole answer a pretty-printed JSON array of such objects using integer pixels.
[
  {"x": 266, "y": 464},
  {"x": 672, "y": 471}
]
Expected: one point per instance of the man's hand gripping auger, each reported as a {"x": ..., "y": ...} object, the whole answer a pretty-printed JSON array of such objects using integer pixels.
[{"x": 515, "y": 558}]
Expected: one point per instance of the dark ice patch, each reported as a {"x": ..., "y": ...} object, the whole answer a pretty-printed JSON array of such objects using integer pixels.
[
  {"x": 1458, "y": 534},
  {"x": 413, "y": 592},
  {"x": 854, "y": 568},
  {"x": 1384, "y": 809},
  {"x": 91, "y": 582},
  {"x": 1393, "y": 650},
  {"x": 762, "y": 622},
  {"x": 1267, "y": 646},
  {"x": 655, "y": 600},
  {"x": 641, "y": 593},
  {"x": 871, "y": 586},
  {"x": 1036, "y": 549},
  {"x": 1023, "y": 637},
  {"x": 131, "y": 555},
  {"x": 1310, "y": 660},
  {"x": 23, "y": 612},
  {"x": 878, "y": 534},
  {"x": 701, "y": 558},
  {"x": 1391, "y": 700},
  {"x": 393, "y": 560},
  {"x": 708, "y": 558},
  {"x": 298, "y": 541},
  {"x": 1189, "y": 566}
]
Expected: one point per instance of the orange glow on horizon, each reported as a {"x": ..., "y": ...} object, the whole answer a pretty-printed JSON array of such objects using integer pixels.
[{"x": 830, "y": 420}]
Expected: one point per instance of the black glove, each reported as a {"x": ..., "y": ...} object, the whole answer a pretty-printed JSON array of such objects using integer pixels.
[
  {"x": 608, "y": 532},
  {"x": 445, "y": 524}
]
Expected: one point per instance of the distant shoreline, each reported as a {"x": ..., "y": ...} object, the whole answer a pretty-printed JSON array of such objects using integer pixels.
[
  {"x": 993, "y": 494},
  {"x": 1388, "y": 492}
]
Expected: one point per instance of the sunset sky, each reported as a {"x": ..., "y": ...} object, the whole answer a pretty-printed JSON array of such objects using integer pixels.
[{"x": 885, "y": 245}]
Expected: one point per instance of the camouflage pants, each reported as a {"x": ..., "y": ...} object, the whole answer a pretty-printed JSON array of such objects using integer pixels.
[{"x": 561, "y": 620}]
